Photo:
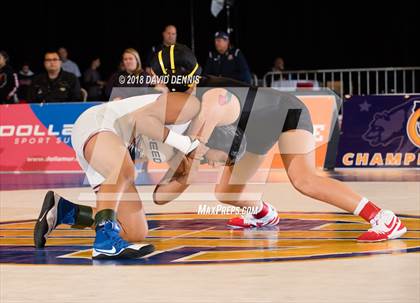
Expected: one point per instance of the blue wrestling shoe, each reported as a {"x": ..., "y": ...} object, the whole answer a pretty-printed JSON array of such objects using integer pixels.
[
  {"x": 55, "y": 211},
  {"x": 109, "y": 244}
]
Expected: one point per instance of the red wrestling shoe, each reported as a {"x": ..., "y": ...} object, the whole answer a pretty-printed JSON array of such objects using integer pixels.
[
  {"x": 268, "y": 216},
  {"x": 385, "y": 226}
]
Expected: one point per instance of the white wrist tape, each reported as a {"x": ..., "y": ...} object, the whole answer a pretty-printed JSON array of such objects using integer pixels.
[{"x": 180, "y": 142}]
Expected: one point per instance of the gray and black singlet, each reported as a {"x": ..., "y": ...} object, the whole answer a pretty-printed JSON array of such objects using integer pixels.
[{"x": 265, "y": 112}]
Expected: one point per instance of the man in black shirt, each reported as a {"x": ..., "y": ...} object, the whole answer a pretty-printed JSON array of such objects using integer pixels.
[
  {"x": 169, "y": 36},
  {"x": 55, "y": 85}
]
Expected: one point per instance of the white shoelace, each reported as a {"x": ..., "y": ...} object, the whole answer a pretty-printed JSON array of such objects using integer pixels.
[
  {"x": 250, "y": 219},
  {"x": 378, "y": 223}
]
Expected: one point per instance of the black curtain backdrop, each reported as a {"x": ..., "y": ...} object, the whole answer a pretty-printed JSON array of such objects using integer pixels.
[{"x": 307, "y": 34}]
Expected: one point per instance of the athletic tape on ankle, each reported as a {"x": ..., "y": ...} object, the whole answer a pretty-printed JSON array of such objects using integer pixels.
[
  {"x": 105, "y": 215},
  {"x": 84, "y": 217}
]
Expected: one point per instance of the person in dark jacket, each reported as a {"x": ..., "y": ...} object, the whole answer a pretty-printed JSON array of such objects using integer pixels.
[
  {"x": 25, "y": 77},
  {"x": 55, "y": 85},
  {"x": 93, "y": 81},
  {"x": 8, "y": 81},
  {"x": 227, "y": 61}
]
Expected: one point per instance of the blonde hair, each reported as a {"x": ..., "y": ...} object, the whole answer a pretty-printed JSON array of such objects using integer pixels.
[{"x": 136, "y": 55}]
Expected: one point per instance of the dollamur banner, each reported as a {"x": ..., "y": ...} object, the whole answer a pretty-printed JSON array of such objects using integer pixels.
[{"x": 37, "y": 137}]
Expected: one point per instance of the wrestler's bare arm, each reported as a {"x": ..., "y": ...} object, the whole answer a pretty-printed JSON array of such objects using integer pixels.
[
  {"x": 218, "y": 107},
  {"x": 174, "y": 182},
  {"x": 171, "y": 108}
]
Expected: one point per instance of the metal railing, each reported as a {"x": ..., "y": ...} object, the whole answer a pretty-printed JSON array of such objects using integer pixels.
[
  {"x": 254, "y": 79},
  {"x": 361, "y": 81}
]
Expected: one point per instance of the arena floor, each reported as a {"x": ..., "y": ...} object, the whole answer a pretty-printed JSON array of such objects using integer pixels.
[{"x": 312, "y": 256}]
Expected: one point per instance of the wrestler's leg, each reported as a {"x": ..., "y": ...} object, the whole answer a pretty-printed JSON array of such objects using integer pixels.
[
  {"x": 117, "y": 194},
  {"x": 298, "y": 155},
  {"x": 300, "y": 168},
  {"x": 228, "y": 190},
  {"x": 232, "y": 190},
  {"x": 233, "y": 181},
  {"x": 107, "y": 155}
]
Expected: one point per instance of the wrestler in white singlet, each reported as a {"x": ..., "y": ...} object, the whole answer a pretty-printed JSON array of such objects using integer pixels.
[{"x": 112, "y": 116}]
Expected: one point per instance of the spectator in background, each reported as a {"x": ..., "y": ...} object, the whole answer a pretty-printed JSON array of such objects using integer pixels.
[
  {"x": 93, "y": 81},
  {"x": 68, "y": 65},
  {"x": 227, "y": 61},
  {"x": 55, "y": 85},
  {"x": 169, "y": 35},
  {"x": 25, "y": 77},
  {"x": 8, "y": 81},
  {"x": 278, "y": 65},
  {"x": 131, "y": 66}
]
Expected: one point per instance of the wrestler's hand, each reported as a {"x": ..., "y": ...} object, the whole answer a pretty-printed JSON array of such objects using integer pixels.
[
  {"x": 216, "y": 157},
  {"x": 181, "y": 173},
  {"x": 185, "y": 167},
  {"x": 199, "y": 152},
  {"x": 180, "y": 166}
]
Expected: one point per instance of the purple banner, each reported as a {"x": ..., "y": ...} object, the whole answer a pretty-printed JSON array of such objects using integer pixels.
[{"x": 380, "y": 131}]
